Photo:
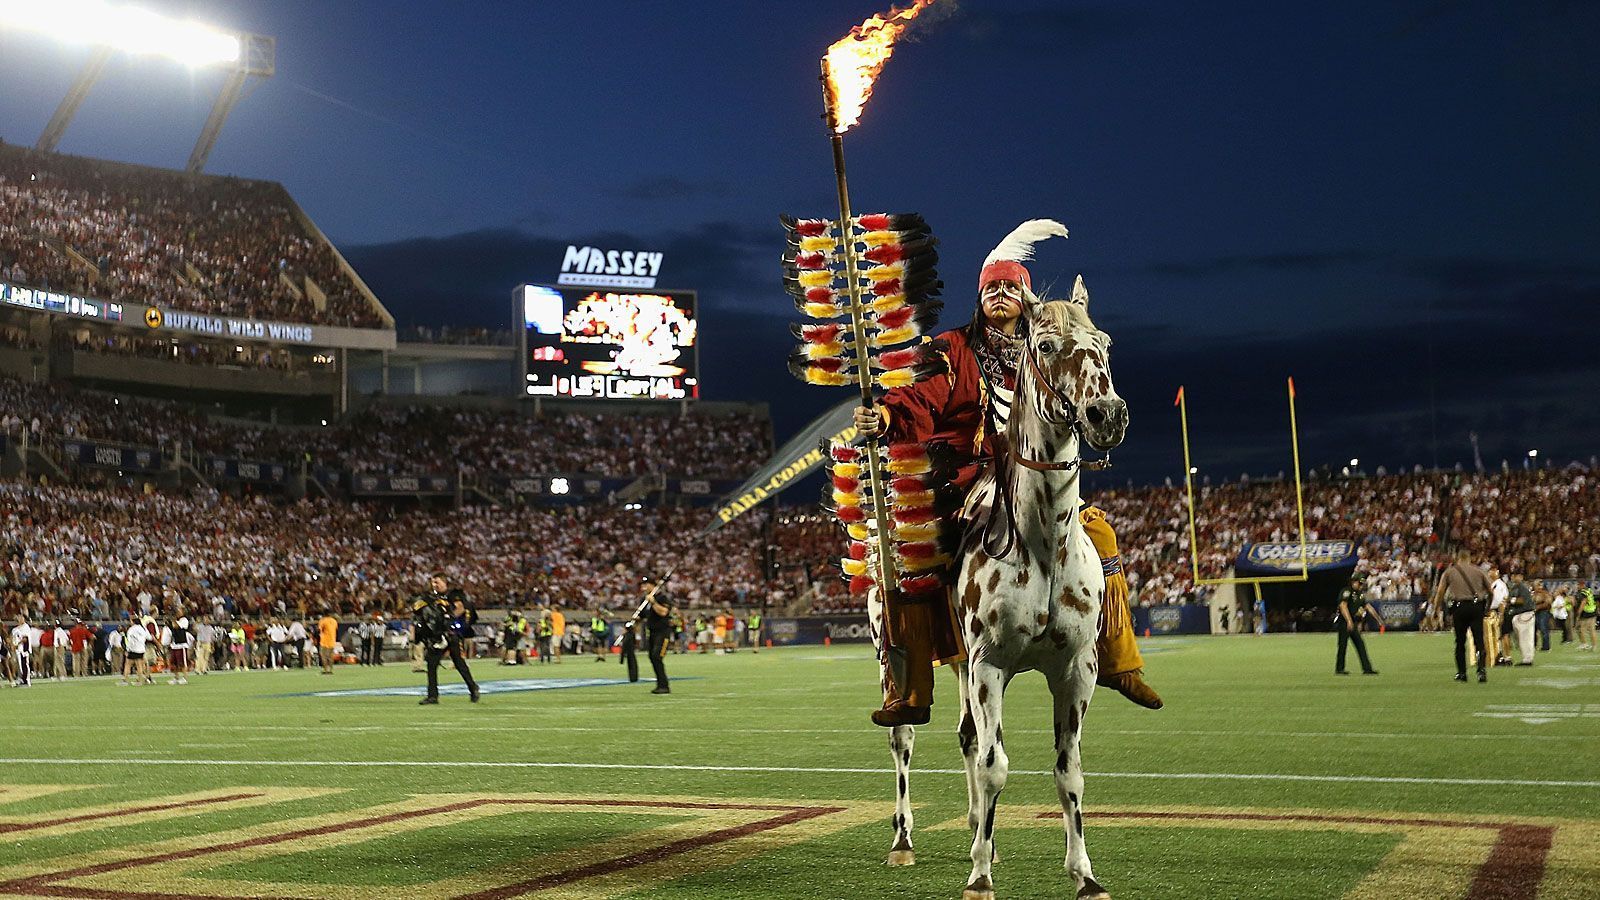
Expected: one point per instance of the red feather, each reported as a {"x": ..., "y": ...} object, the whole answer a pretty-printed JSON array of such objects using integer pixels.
[
  {"x": 886, "y": 287},
  {"x": 923, "y": 584},
  {"x": 860, "y": 584},
  {"x": 896, "y": 318},
  {"x": 819, "y": 295},
  {"x": 909, "y": 516},
  {"x": 850, "y": 514},
  {"x": 846, "y": 485},
  {"x": 919, "y": 551},
  {"x": 883, "y": 256},
  {"x": 874, "y": 221},
  {"x": 846, "y": 454},
  {"x": 907, "y": 484},
  {"x": 821, "y": 334},
  {"x": 899, "y": 359},
  {"x": 858, "y": 550},
  {"x": 812, "y": 227},
  {"x": 828, "y": 363},
  {"x": 812, "y": 261},
  {"x": 901, "y": 452}
]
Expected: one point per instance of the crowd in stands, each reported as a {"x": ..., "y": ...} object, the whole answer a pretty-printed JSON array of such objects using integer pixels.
[
  {"x": 106, "y": 553},
  {"x": 138, "y": 236},
  {"x": 1542, "y": 523},
  {"x": 413, "y": 439}
]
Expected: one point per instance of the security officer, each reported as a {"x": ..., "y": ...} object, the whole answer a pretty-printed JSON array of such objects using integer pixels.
[
  {"x": 441, "y": 618},
  {"x": 1353, "y": 607},
  {"x": 657, "y": 614},
  {"x": 752, "y": 630},
  {"x": 599, "y": 631},
  {"x": 510, "y": 638},
  {"x": 1464, "y": 589}
]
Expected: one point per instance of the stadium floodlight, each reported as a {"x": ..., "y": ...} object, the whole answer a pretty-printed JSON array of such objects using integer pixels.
[
  {"x": 1354, "y": 462},
  {"x": 1533, "y": 454},
  {"x": 122, "y": 27}
]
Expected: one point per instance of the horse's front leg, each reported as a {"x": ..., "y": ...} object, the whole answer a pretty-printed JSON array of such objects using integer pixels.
[
  {"x": 902, "y": 740},
  {"x": 1072, "y": 691},
  {"x": 986, "y": 684}
]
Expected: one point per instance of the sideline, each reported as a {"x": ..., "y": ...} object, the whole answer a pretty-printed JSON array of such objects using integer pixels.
[{"x": 799, "y": 770}]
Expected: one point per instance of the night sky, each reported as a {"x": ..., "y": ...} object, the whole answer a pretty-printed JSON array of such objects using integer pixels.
[{"x": 1397, "y": 203}]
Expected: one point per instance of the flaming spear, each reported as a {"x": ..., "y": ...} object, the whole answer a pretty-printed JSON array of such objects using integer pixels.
[{"x": 887, "y": 293}]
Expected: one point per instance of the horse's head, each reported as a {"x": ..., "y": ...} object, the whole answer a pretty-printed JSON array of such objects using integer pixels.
[{"x": 1070, "y": 369}]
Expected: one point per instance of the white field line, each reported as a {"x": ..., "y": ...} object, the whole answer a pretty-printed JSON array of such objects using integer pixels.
[
  {"x": 798, "y": 770},
  {"x": 1137, "y": 732}
]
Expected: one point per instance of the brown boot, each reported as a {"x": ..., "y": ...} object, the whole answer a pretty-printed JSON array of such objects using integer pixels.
[
  {"x": 1132, "y": 686},
  {"x": 912, "y": 632},
  {"x": 899, "y": 712}
]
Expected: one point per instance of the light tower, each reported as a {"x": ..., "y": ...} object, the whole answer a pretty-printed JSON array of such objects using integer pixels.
[{"x": 111, "y": 28}]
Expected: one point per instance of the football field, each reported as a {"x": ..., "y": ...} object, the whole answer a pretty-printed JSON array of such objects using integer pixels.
[{"x": 1265, "y": 777}]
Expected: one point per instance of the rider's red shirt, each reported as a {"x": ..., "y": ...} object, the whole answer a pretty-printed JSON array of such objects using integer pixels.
[{"x": 944, "y": 409}]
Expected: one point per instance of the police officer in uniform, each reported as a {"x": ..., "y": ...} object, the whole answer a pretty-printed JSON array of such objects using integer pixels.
[
  {"x": 441, "y": 618},
  {"x": 1464, "y": 589},
  {"x": 1353, "y": 606},
  {"x": 657, "y": 614}
]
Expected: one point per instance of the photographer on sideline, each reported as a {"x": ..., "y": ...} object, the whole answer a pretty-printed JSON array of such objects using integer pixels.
[{"x": 439, "y": 619}]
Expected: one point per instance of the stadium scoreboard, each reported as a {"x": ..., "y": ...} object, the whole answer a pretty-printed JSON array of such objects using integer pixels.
[{"x": 608, "y": 343}]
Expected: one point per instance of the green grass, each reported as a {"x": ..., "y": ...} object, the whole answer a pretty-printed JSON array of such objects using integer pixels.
[{"x": 1244, "y": 706}]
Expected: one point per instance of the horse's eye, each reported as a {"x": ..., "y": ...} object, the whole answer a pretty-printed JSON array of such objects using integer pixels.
[{"x": 1047, "y": 346}]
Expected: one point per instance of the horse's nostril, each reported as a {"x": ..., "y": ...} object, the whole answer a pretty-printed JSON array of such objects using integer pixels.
[{"x": 1095, "y": 415}]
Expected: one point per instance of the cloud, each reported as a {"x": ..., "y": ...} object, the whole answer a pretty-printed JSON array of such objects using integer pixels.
[
  {"x": 1246, "y": 262},
  {"x": 1050, "y": 29},
  {"x": 671, "y": 187}
]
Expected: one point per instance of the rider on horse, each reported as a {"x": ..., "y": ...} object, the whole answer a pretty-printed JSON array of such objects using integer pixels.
[{"x": 966, "y": 410}]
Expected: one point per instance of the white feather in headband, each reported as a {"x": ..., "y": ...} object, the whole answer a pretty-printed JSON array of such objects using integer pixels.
[{"x": 1018, "y": 245}]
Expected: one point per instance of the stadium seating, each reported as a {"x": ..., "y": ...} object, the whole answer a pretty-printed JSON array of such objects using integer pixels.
[{"x": 143, "y": 236}]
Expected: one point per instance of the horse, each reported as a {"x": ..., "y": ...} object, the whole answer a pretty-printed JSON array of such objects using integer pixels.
[{"x": 1029, "y": 584}]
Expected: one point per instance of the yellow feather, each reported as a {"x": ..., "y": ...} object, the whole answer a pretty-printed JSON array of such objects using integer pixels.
[
  {"x": 893, "y": 336},
  {"x": 823, "y": 311},
  {"x": 923, "y": 531},
  {"x": 914, "y": 498},
  {"x": 816, "y": 277},
  {"x": 889, "y": 303},
  {"x": 847, "y": 470},
  {"x": 841, "y": 498},
  {"x": 896, "y": 378},
  {"x": 923, "y": 565},
  {"x": 820, "y": 242},
  {"x": 878, "y": 238},
  {"x": 910, "y": 466},
  {"x": 815, "y": 375},
  {"x": 818, "y": 351},
  {"x": 853, "y": 566},
  {"x": 884, "y": 273},
  {"x": 857, "y": 532}
]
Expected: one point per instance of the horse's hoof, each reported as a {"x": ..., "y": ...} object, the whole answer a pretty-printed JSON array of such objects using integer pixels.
[
  {"x": 980, "y": 889},
  {"x": 1092, "y": 890},
  {"x": 902, "y": 857}
]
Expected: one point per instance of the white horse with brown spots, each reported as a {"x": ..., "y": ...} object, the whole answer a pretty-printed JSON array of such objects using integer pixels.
[{"x": 1030, "y": 584}]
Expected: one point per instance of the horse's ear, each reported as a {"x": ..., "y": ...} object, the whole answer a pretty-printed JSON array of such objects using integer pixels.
[
  {"x": 1080, "y": 294},
  {"x": 1031, "y": 304}
]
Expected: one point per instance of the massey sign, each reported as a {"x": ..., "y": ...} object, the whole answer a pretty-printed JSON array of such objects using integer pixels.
[{"x": 610, "y": 268}]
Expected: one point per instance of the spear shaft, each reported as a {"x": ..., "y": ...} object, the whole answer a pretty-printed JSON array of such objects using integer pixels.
[{"x": 887, "y": 583}]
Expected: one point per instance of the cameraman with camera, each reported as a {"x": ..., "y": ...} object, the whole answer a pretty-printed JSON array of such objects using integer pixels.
[
  {"x": 441, "y": 620},
  {"x": 1464, "y": 589}
]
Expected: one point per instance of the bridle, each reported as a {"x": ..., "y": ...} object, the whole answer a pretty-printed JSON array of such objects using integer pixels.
[
  {"x": 1002, "y": 482},
  {"x": 1072, "y": 422}
]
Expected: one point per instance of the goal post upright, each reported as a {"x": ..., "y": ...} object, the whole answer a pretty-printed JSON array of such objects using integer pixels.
[{"x": 1299, "y": 502}]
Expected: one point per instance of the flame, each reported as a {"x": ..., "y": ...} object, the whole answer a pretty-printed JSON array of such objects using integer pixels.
[{"x": 853, "y": 63}]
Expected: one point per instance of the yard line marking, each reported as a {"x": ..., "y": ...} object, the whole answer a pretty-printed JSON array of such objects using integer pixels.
[{"x": 800, "y": 770}]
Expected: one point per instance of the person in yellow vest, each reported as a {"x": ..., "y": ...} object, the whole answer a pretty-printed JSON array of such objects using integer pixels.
[
  {"x": 1121, "y": 664},
  {"x": 752, "y": 630}
]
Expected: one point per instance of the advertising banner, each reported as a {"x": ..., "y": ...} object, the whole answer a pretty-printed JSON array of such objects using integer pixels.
[
  {"x": 431, "y": 485},
  {"x": 792, "y": 461},
  {"x": 1285, "y": 558},
  {"x": 1187, "y": 619},
  {"x": 221, "y": 469},
  {"x": 841, "y": 629},
  {"x": 111, "y": 456}
]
